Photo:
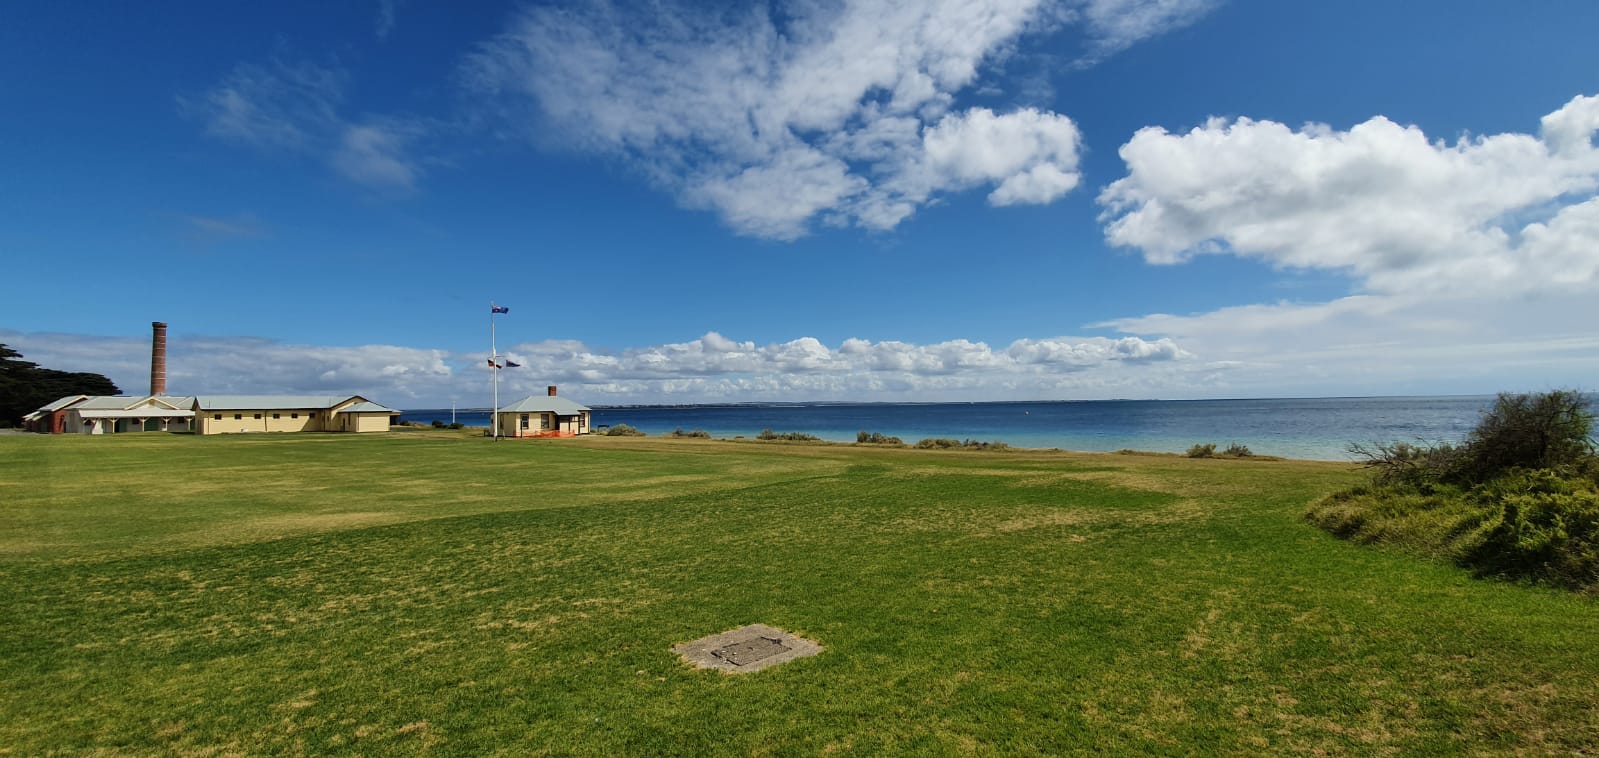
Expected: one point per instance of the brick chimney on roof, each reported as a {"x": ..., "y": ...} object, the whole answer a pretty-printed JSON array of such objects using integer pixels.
[
  {"x": 552, "y": 390},
  {"x": 158, "y": 358}
]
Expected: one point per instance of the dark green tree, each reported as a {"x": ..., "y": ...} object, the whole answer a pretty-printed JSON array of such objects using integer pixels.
[{"x": 24, "y": 386}]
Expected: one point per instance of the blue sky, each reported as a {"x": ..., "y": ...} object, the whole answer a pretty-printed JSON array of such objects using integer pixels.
[{"x": 986, "y": 199}]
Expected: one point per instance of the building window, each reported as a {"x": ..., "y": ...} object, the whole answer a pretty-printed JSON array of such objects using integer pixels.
[
  {"x": 544, "y": 421},
  {"x": 312, "y": 414},
  {"x": 216, "y": 417},
  {"x": 277, "y": 416},
  {"x": 237, "y": 416},
  {"x": 524, "y": 421},
  {"x": 294, "y": 415},
  {"x": 257, "y": 417}
]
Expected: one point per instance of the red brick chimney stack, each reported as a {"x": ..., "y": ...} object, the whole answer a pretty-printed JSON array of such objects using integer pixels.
[
  {"x": 552, "y": 390},
  {"x": 158, "y": 358}
]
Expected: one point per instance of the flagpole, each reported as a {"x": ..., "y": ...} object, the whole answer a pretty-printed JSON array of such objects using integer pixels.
[{"x": 494, "y": 363}]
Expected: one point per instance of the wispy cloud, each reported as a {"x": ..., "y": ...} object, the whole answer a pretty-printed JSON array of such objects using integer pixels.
[
  {"x": 297, "y": 108},
  {"x": 1115, "y": 25},
  {"x": 387, "y": 16},
  {"x": 206, "y": 231},
  {"x": 775, "y": 118},
  {"x": 374, "y": 154}
]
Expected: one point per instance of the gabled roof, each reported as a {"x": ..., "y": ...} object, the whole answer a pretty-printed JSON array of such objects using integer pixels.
[
  {"x": 544, "y": 404},
  {"x": 269, "y": 402},
  {"x": 128, "y": 402},
  {"x": 149, "y": 411},
  {"x": 367, "y": 406},
  {"x": 62, "y": 403}
]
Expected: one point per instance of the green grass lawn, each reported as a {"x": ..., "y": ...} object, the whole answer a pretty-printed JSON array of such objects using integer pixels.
[{"x": 437, "y": 593}]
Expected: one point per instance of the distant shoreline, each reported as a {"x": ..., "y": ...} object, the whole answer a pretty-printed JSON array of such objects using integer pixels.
[{"x": 868, "y": 403}]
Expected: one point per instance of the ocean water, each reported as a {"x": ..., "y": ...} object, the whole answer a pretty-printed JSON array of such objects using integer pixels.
[{"x": 1310, "y": 428}]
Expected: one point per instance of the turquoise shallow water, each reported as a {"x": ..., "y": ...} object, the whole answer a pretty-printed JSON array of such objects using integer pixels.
[{"x": 1309, "y": 428}]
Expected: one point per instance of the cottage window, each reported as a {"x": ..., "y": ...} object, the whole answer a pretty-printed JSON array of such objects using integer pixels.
[
  {"x": 257, "y": 417},
  {"x": 237, "y": 416},
  {"x": 312, "y": 414},
  {"x": 524, "y": 421},
  {"x": 544, "y": 421},
  {"x": 294, "y": 415},
  {"x": 216, "y": 417},
  {"x": 277, "y": 416}
]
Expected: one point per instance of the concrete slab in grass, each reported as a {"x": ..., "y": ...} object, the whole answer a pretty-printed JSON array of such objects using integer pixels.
[{"x": 746, "y": 649}]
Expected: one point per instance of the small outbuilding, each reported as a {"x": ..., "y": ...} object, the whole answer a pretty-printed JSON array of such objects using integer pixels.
[
  {"x": 543, "y": 416},
  {"x": 52, "y": 418},
  {"x": 233, "y": 414}
]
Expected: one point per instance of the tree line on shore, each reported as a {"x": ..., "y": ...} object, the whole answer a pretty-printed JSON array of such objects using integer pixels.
[{"x": 25, "y": 386}]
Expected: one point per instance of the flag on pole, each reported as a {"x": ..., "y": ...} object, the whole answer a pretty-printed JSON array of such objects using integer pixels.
[
  {"x": 512, "y": 364},
  {"x": 491, "y": 363},
  {"x": 499, "y": 309}
]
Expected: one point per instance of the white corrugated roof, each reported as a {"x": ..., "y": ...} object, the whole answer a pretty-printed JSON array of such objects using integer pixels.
[
  {"x": 62, "y": 403},
  {"x": 268, "y": 402},
  {"x": 544, "y": 404},
  {"x": 117, "y": 402},
  {"x": 145, "y": 412},
  {"x": 367, "y": 407}
]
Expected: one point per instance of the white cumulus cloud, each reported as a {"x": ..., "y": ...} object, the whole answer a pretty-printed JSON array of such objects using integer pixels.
[
  {"x": 1473, "y": 263},
  {"x": 712, "y": 368},
  {"x": 1380, "y": 201}
]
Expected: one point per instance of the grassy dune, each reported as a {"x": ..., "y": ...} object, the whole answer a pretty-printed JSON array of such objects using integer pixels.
[{"x": 430, "y": 593}]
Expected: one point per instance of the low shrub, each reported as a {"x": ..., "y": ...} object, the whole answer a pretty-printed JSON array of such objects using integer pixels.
[
  {"x": 1206, "y": 450},
  {"x": 457, "y": 425},
  {"x": 1529, "y": 525},
  {"x": 623, "y": 430},
  {"x": 437, "y": 424},
  {"x": 697, "y": 433},
  {"x": 876, "y": 438},
  {"x": 1236, "y": 450},
  {"x": 945, "y": 443},
  {"x": 1406, "y": 463},
  {"x": 1519, "y": 499},
  {"x": 1536, "y": 526},
  {"x": 767, "y": 434}
]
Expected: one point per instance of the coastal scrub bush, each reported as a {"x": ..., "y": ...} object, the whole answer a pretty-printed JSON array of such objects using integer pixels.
[
  {"x": 1548, "y": 430},
  {"x": 1236, "y": 450},
  {"x": 697, "y": 433},
  {"x": 945, "y": 443},
  {"x": 457, "y": 425},
  {"x": 1519, "y": 499},
  {"x": 437, "y": 424},
  {"x": 1405, "y": 463},
  {"x": 876, "y": 438},
  {"x": 768, "y": 434},
  {"x": 1205, "y": 450},
  {"x": 623, "y": 430}
]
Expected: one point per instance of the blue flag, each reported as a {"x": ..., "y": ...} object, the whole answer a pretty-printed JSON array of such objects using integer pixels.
[{"x": 499, "y": 309}]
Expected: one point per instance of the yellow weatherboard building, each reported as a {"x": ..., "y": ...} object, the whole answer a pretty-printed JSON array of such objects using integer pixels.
[{"x": 235, "y": 414}]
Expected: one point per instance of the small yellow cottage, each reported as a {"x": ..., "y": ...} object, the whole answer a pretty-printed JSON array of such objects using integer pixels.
[{"x": 547, "y": 416}]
